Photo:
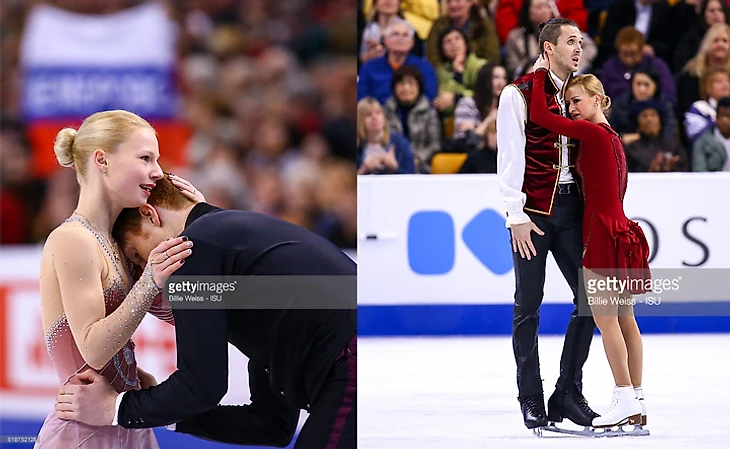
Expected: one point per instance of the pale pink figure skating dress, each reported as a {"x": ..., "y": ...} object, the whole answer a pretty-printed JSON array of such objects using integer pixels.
[{"x": 120, "y": 371}]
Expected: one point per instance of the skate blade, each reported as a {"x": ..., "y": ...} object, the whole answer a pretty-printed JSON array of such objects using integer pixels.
[{"x": 588, "y": 431}]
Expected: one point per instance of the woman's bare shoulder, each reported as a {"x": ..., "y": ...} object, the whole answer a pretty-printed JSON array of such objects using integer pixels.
[{"x": 71, "y": 236}]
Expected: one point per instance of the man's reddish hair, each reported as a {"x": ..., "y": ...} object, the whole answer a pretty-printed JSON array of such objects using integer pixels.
[{"x": 165, "y": 195}]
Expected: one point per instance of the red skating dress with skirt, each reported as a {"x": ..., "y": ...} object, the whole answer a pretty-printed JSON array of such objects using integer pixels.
[{"x": 613, "y": 245}]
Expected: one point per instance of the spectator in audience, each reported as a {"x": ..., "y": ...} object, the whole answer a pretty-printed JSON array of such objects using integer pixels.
[
  {"x": 61, "y": 196},
  {"x": 420, "y": 13},
  {"x": 475, "y": 122},
  {"x": 595, "y": 10},
  {"x": 522, "y": 46},
  {"x": 714, "y": 53},
  {"x": 711, "y": 151},
  {"x": 336, "y": 194},
  {"x": 711, "y": 12},
  {"x": 473, "y": 115},
  {"x": 650, "y": 17},
  {"x": 382, "y": 15},
  {"x": 714, "y": 84},
  {"x": 617, "y": 72},
  {"x": 20, "y": 191},
  {"x": 378, "y": 150},
  {"x": 645, "y": 86},
  {"x": 686, "y": 13},
  {"x": 339, "y": 116},
  {"x": 409, "y": 114},
  {"x": 484, "y": 158},
  {"x": 376, "y": 74},
  {"x": 509, "y": 13},
  {"x": 522, "y": 72},
  {"x": 476, "y": 25},
  {"x": 652, "y": 153},
  {"x": 457, "y": 73}
]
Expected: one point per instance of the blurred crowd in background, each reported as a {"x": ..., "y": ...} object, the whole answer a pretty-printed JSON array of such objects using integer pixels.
[
  {"x": 431, "y": 71},
  {"x": 268, "y": 101},
  {"x": 283, "y": 102}
]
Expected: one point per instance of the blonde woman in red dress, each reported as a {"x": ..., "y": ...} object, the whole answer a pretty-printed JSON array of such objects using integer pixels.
[{"x": 613, "y": 245}]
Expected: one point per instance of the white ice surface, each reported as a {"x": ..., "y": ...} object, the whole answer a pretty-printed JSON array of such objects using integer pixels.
[{"x": 459, "y": 393}]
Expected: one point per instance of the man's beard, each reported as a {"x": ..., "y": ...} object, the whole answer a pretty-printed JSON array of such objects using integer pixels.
[{"x": 569, "y": 66}]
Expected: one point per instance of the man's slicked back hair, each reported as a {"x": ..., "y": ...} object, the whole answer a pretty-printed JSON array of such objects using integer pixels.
[{"x": 550, "y": 31}]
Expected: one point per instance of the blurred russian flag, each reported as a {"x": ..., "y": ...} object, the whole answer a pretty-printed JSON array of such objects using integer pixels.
[{"x": 74, "y": 65}]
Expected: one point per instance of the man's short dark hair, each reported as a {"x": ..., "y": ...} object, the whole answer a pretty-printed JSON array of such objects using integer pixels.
[{"x": 550, "y": 31}]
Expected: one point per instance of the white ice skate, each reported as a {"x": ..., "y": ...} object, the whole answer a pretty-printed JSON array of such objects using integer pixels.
[{"x": 624, "y": 409}]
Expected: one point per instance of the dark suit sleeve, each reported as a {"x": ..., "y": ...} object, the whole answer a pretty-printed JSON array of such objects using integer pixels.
[
  {"x": 267, "y": 421},
  {"x": 201, "y": 379}
]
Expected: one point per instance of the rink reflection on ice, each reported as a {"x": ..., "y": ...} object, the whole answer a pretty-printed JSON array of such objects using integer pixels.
[{"x": 460, "y": 393}]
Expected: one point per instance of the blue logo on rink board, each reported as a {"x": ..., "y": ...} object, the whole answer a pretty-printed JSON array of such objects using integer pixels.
[
  {"x": 489, "y": 240},
  {"x": 432, "y": 242}
]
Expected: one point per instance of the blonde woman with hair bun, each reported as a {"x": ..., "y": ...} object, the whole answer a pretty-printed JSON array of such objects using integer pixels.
[
  {"x": 91, "y": 301},
  {"x": 614, "y": 247}
]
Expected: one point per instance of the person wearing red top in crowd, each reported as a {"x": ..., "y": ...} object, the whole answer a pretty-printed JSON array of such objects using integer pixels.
[
  {"x": 613, "y": 245},
  {"x": 507, "y": 15}
]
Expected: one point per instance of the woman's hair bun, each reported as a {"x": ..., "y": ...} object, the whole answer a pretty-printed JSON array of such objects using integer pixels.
[{"x": 64, "y": 146}]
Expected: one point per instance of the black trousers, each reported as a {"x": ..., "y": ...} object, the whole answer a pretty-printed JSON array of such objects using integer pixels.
[
  {"x": 563, "y": 238},
  {"x": 332, "y": 421}
]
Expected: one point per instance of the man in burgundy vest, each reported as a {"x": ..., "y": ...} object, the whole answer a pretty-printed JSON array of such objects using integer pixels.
[{"x": 540, "y": 189}]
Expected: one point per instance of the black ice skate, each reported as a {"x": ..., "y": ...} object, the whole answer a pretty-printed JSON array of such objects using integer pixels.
[
  {"x": 533, "y": 411},
  {"x": 570, "y": 405}
]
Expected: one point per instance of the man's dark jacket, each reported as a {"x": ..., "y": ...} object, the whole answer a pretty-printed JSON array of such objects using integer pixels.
[{"x": 290, "y": 351}]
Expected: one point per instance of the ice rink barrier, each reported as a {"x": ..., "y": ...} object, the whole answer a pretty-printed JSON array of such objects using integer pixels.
[{"x": 434, "y": 254}]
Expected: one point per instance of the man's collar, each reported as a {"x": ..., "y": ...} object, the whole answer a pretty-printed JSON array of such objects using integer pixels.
[
  {"x": 559, "y": 83},
  {"x": 198, "y": 211}
]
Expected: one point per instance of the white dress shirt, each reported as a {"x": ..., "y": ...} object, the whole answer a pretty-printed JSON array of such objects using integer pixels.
[
  {"x": 115, "y": 422},
  {"x": 116, "y": 409},
  {"x": 511, "y": 140}
]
